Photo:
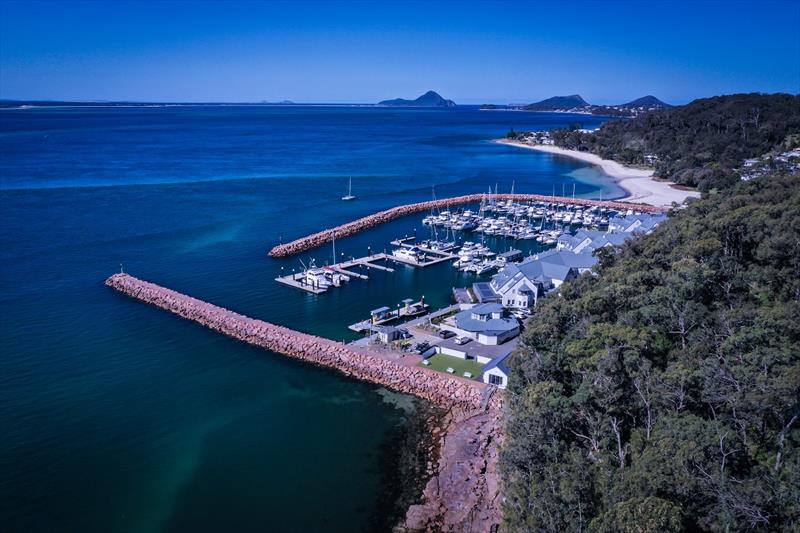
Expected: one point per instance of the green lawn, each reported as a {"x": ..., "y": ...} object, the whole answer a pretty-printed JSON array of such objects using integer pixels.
[{"x": 441, "y": 362}]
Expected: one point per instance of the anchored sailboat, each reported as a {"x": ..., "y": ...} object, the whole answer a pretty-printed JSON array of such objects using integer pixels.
[{"x": 349, "y": 195}]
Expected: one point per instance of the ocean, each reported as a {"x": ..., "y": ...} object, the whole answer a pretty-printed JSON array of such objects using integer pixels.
[{"x": 118, "y": 417}]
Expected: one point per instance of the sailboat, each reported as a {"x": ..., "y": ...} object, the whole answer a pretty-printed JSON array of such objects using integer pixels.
[{"x": 349, "y": 195}]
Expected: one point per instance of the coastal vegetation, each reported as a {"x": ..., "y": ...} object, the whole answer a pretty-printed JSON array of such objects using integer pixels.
[
  {"x": 663, "y": 394},
  {"x": 700, "y": 144}
]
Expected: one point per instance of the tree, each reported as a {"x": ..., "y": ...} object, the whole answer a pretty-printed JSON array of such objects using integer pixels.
[{"x": 664, "y": 392}]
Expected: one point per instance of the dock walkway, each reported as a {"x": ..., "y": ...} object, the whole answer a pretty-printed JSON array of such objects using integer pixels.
[{"x": 297, "y": 279}]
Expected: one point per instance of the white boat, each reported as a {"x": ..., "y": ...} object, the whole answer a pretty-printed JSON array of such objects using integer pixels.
[
  {"x": 317, "y": 277},
  {"x": 412, "y": 254},
  {"x": 349, "y": 195},
  {"x": 335, "y": 279},
  {"x": 483, "y": 268}
]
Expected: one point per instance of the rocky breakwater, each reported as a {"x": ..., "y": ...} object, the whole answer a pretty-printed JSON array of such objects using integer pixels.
[
  {"x": 351, "y": 228},
  {"x": 443, "y": 390}
]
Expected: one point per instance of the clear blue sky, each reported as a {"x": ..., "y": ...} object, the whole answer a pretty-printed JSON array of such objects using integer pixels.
[{"x": 471, "y": 52}]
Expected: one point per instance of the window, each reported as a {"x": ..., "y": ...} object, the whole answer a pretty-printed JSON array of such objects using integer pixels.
[{"x": 495, "y": 380}]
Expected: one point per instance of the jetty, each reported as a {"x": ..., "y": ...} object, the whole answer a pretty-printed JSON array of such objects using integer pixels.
[
  {"x": 351, "y": 228},
  {"x": 385, "y": 315},
  {"x": 298, "y": 280},
  {"x": 393, "y": 370}
]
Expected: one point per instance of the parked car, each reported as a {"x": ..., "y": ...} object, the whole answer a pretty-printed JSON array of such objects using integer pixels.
[
  {"x": 446, "y": 334},
  {"x": 421, "y": 347},
  {"x": 462, "y": 340}
]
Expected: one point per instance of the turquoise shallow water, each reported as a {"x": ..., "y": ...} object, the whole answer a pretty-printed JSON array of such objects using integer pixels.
[{"x": 118, "y": 417}]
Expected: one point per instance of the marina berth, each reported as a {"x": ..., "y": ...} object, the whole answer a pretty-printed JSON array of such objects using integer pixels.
[{"x": 502, "y": 202}]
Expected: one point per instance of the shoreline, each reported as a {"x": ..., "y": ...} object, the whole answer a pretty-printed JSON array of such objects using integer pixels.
[{"x": 639, "y": 184}]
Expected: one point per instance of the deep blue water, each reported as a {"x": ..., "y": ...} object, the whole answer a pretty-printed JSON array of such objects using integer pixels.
[{"x": 118, "y": 417}]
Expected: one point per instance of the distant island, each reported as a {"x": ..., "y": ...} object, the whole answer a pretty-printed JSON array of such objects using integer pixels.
[
  {"x": 575, "y": 103},
  {"x": 429, "y": 99}
]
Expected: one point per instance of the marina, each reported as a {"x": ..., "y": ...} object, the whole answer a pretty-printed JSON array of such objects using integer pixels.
[
  {"x": 351, "y": 228},
  {"x": 496, "y": 227}
]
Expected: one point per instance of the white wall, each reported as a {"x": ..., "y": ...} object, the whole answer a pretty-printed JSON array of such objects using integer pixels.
[
  {"x": 496, "y": 372},
  {"x": 451, "y": 352}
]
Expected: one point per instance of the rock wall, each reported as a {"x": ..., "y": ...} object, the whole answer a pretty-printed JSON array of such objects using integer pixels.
[
  {"x": 438, "y": 388},
  {"x": 351, "y": 228}
]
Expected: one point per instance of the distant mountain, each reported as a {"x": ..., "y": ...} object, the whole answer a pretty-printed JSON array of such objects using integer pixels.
[
  {"x": 429, "y": 99},
  {"x": 576, "y": 104},
  {"x": 646, "y": 102},
  {"x": 559, "y": 103}
]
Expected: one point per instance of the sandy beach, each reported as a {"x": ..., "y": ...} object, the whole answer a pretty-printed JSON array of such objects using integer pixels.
[{"x": 639, "y": 184}]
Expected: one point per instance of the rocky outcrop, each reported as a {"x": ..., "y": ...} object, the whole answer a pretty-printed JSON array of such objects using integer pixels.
[
  {"x": 351, "y": 228},
  {"x": 464, "y": 493}
]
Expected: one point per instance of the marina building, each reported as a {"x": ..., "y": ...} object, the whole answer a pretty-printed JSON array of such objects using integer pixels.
[
  {"x": 635, "y": 223},
  {"x": 484, "y": 323}
]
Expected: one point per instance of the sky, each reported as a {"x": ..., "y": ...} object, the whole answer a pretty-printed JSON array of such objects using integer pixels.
[{"x": 362, "y": 52}]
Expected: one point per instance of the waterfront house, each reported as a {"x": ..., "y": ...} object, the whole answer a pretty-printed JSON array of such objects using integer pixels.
[
  {"x": 496, "y": 372},
  {"x": 484, "y": 323},
  {"x": 520, "y": 285},
  {"x": 642, "y": 223},
  {"x": 587, "y": 241},
  {"x": 561, "y": 266}
]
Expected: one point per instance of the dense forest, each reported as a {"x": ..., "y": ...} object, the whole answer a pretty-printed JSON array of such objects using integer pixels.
[
  {"x": 663, "y": 393},
  {"x": 698, "y": 144}
]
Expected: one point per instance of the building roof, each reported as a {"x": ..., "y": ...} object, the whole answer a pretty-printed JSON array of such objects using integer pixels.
[
  {"x": 491, "y": 326},
  {"x": 501, "y": 363},
  {"x": 518, "y": 271},
  {"x": 379, "y": 310},
  {"x": 487, "y": 308},
  {"x": 646, "y": 220},
  {"x": 483, "y": 291},
  {"x": 568, "y": 259}
]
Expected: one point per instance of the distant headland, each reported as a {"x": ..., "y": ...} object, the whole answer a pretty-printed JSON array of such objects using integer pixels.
[
  {"x": 429, "y": 99},
  {"x": 574, "y": 103}
]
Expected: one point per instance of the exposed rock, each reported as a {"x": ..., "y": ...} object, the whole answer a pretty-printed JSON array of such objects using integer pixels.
[{"x": 463, "y": 496}]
